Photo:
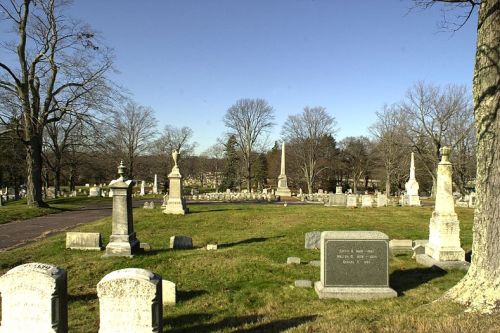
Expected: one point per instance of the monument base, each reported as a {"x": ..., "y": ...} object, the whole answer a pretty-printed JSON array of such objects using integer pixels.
[
  {"x": 284, "y": 192},
  {"x": 425, "y": 260},
  {"x": 176, "y": 207},
  {"x": 412, "y": 200},
  {"x": 353, "y": 293},
  {"x": 122, "y": 246}
]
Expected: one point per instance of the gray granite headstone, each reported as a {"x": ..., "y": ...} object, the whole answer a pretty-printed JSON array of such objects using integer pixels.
[
  {"x": 181, "y": 242},
  {"x": 354, "y": 265}
]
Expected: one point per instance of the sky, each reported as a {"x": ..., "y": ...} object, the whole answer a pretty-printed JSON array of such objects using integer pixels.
[{"x": 190, "y": 60}]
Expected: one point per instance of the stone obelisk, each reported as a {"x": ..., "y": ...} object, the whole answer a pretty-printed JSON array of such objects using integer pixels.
[
  {"x": 176, "y": 203},
  {"x": 411, "y": 197},
  {"x": 283, "y": 189},
  {"x": 155, "y": 185}
]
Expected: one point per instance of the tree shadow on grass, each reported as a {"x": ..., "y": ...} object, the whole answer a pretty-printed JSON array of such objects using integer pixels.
[
  {"x": 235, "y": 322},
  {"x": 186, "y": 295},
  {"x": 403, "y": 280},
  {"x": 189, "y": 320},
  {"x": 249, "y": 241},
  {"x": 82, "y": 297}
]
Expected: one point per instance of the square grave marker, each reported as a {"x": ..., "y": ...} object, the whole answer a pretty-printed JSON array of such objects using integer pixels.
[{"x": 354, "y": 265}]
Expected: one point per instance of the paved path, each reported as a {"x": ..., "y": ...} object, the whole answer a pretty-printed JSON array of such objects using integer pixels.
[{"x": 17, "y": 233}]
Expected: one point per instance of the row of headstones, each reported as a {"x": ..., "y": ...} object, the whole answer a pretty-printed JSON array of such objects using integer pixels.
[
  {"x": 353, "y": 200},
  {"x": 234, "y": 197},
  {"x": 35, "y": 299}
]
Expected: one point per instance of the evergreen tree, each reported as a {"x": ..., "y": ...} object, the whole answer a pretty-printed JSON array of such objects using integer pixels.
[{"x": 230, "y": 175}]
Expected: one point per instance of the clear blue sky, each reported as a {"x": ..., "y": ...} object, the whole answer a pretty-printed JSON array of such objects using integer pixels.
[{"x": 192, "y": 59}]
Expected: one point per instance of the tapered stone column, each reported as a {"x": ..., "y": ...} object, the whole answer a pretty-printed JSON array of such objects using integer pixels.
[
  {"x": 176, "y": 203},
  {"x": 443, "y": 248},
  {"x": 123, "y": 241},
  {"x": 411, "y": 197},
  {"x": 155, "y": 185},
  {"x": 283, "y": 189}
]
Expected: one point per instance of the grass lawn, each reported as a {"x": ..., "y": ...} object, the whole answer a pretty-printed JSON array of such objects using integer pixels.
[
  {"x": 246, "y": 286},
  {"x": 17, "y": 210}
]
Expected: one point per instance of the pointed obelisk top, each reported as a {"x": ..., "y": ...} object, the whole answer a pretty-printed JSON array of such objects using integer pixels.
[
  {"x": 282, "y": 159},
  {"x": 412, "y": 166}
]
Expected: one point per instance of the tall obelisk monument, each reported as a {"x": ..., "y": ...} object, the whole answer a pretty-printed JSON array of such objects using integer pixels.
[{"x": 283, "y": 189}]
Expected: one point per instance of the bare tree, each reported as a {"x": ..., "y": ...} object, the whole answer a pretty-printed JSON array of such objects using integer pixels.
[
  {"x": 215, "y": 159},
  {"x": 57, "y": 62},
  {"x": 479, "y": 288},
  {"x": 436, "y": 117},
  {"x": 175, "y": 138},
  {"x": 356, "y": 156},
  {"x": 133, "y": 130},
  {"x": 305, "y": 132},
  {"x": 248, "y": 120},
  {"x": 391, "y": 144}
]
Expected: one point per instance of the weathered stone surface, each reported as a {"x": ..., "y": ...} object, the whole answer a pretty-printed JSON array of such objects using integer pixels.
[
  {"x": 352, "y": 201},
  {"x": 411, "y": 197},
  {"x": 293, "y": 261},
  {"x": 425, "y": 260},
  {"x": 444, "y": 228},
  {"x": 354, "y": 265},
  {"x": 418, "y": 249},
  {"x": 145, "y": 247},
  {"x": 169, "y": 292},
  {"x": 381, "y": 200},
  {"x": 366, "y": 201},
  {"x": 181, "y": 242},
  {"x": 95, "y": 191},
  {"x": 283, "y": 189},
  {"x": 130, "y": 300},
  {"x": 122, "y": 241},
  {"x": 401, "y": 245},
  {"x": 84, "y": 241},
  {"x": 34, "y": 299},
  {"x": 313, "y": 240},
  {"x": 176, "y": 203},
  {"x": 303, "y": 283}
]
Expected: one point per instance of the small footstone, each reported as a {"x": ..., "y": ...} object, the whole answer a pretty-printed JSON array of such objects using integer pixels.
[
  {"x": 315, "y": 263},
  {"x": 303, "y": 284},
  {"x": 145, "y": 247},
  {"x": 169, "y": 292},
  {"x": 312, "y": 240},
  {"x": 293, "y": 260},
  {"x": 181, "y": 242},
  {"x": 211, "y": 246},
  {"x": 425, "y": 260}
]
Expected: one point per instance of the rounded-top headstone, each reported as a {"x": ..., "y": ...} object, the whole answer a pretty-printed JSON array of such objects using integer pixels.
[{"x": 34, "y": 299}]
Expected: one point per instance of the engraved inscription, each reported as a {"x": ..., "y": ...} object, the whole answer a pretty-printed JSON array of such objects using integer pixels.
[{"x": 356, "y": 263}]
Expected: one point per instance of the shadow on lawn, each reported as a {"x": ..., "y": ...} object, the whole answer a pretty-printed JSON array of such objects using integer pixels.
[
  {"x": 232, "y": 322},
  {"x": 403, "y": 280},
  {"x": 82, "y": 297},
  {"x": 249, "y": 241},
  {"x": 183, "y": 296}
]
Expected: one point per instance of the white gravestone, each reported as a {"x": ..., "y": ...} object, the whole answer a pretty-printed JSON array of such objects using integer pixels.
[
  {"x": 95, "y": 191},
  {"x": 444, "y": 228},
  {"x": 130, "y": 300},
  {"x": 84, "y": 241},
  {"x": 155, "y": 185},
  {"x": 411, "y": 197},
  {"x": 176, "y": 204},
  {"x": 143, "y": 192},
  {"x": 283, "y": 189},
  {"x": 366, "y": 201},
  {"x": 352, "y": 200},
  {"x": 34, "y": 299}
]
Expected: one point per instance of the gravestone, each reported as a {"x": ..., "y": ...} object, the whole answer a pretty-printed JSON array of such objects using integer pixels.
[
  {"x": 155, "y": 185},
  {"x": 381, "y": 200},
  {"x": 283, "y": 189},
  {"x": 130, "y": 300},
  {"x": 354, "y": 265},
  {"x": 411, "y": 197},
  {"x": 95, "y": 192},
  {"x": 123, "y": 241},
  {"x": 143, "y": 183},
  {"x": 176, "y": 203},
  {"x": 351, "y": 201},
  {"x": 84, "y": 241},
  {"x": 181, "y": 242},
  {"x": 34, "y": 299},
  {"x": 444, "y": 228},
  {"x": 401, "y": 245},
  {"x": 366, "y": 201},
  {"x": 169, "y": 292},
  {"x": 338, "y": 190}
]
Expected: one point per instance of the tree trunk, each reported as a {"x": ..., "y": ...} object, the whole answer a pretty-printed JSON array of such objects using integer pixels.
[
  {"x": 480, "y": 288},
  {"x": 34, "y": 172},
  {"x": 388, "y": 183},
  {"x": 249, "y": 176}
]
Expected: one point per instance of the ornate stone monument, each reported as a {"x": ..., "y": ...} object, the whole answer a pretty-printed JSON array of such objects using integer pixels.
[
  {"x": 411, "y": 197},
  {"x": 130, "y": 300},
  {"x": 444, "y": 229},
  {"x": 283, "y": 189},
  {"x": 34, "y": 299},
  {"x": 123, "y": 241},
  {"x": 175, "y": 203}
]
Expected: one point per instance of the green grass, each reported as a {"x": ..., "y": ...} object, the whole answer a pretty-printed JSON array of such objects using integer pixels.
[
  {"x": 17, "y": 210},
  {"x": 246, "y": 286}
]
